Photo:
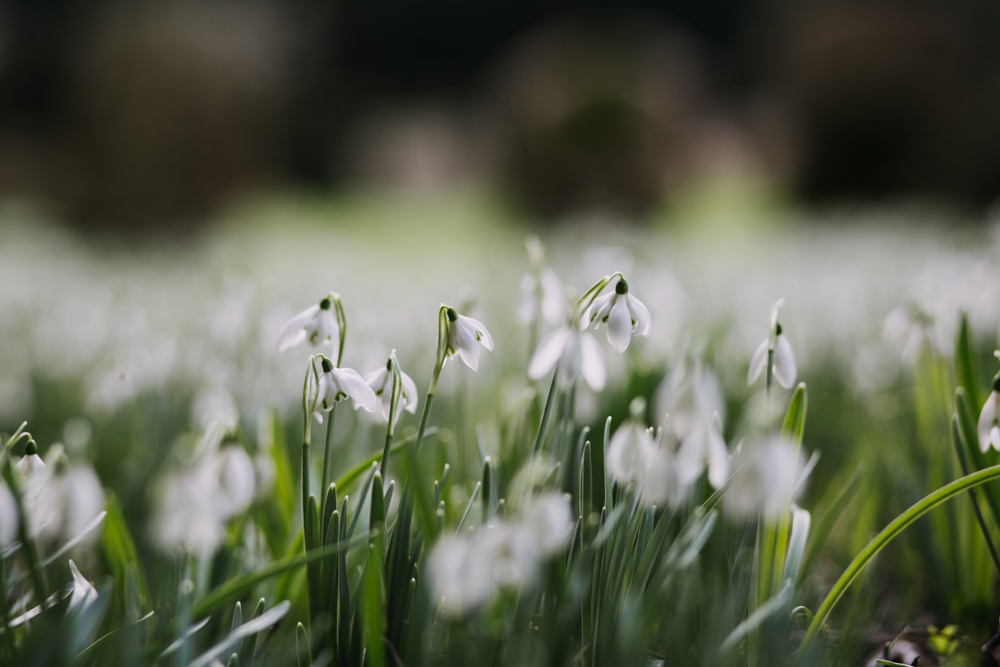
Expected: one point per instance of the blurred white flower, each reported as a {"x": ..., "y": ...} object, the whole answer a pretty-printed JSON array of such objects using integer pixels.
[
  {"x": 381, "y": 383},
  {"x": 464, "y": 336},
  {"x": 315, "y": 324},
  {"x": 912, "y": 329},
  {"x": 768, "y": 477},
  {"x": 544, "y": 293},
  {"x": 989, "y": 431},
  {"x": 703, "y": 446},
  {"x": 575, "y": 353},
  {"x": 214, "y": 403},
  {"x": 83, "y": 593},
  {"x": 8, "y": 516},
  {"x": 193, "y": 505},
  {"x": 630, "y": 452},
  {"x": 338, "y": 384},
  {"x": 550, "y": 521},
  {"x": 691, "y": 395},
  {"x": 61, "y": 500},
  {"x": 784, "y": 361},
  {"x": 459, "y": 576},
  {"x": 625, "y": 315}
]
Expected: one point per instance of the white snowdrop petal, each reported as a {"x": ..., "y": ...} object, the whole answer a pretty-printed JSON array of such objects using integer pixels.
[
  {"x": 784, "y": 363},
  {"x": 640, "y": 314},
  {"x": 294, "y": 332},
  {"x": 352, "y": 384},
  {"x": 409, "y": 392},
  {"x": 592, "y": 362},
  {"x": 548, "y": 353},
  {"x": 995, "y": 438},
  {"x": 718, "y": 459},
  {"x": 619, "y": 326},
  {"x": 378, "y": 379},
  {"x": 8, "y": 516},
  {"x": 986, "y": 419},
  {"x": 553, "y": 302},
  {"x": 757, "y": 363}
]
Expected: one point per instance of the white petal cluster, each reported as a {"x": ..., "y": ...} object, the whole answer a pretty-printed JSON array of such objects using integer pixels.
[
  {"x": 552, "y": 302},
  {"x": 767, "y": 478},
  {"x": 380, "y": 382},
  {"x": 59, "y": 500},
  {"x": 575, "y": 353},
  {"x": 338, "y": 384},
  {"x": 633, "y": 457},
  {"x": 467, "y": 570},
  {"x": 785, "y": 370},
  {"x": 624, "y": 314},
  {"x": 465, "y": 334},
  {"x": 315, "y": 324},
  {"x": 194, "y": 504}
]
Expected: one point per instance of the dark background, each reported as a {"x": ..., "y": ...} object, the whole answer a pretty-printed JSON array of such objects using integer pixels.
[{"x": 150, "y": 115}]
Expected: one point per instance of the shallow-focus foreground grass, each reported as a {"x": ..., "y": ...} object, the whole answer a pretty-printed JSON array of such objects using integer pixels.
[{"x": 534, "y": 487}]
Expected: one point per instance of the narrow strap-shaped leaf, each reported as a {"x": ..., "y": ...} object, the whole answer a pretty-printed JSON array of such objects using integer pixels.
[
  {"x": 263, "y": 621},
  {"x": 757, "y": 618},
  {"x": 965, "y": 363},
  {"x": 796, "y": 545}
]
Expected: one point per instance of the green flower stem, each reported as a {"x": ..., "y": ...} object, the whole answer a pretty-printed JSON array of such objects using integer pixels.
[
  {"x": 543, "y": 423},
  {"x": 897, "y": 525},
  {"x": 28, "y": 547},
  {"x": 324, "y": 482}
]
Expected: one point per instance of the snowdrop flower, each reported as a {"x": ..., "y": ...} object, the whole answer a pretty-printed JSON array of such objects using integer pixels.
[
  {"x": 31, "y": 463},
  {"x": 629, "y": 452},
  {"x": 625, "y": 315},
  {"x": 575, "y": 353},
  {"x": 989, "y": 432},
  {"x": 703, "y": 446},
  {"x": 458, "y": 574},
  {"x": 784, "y": 361},
  {"x": 83, "y": 593},
  {"x": 543, "y": 289},
  {"x": 237, "y": 480},
  {"x": 766, "y": 481},
  {"x": 316, "y": 324},
  {"x": 60, "y": 504},
  {"x": 8, "y": 516},
  {"x": 381, "y": 383},
  {"x": 550, "y": 522},
  {"x": 911, "y": 327},
  {"x": 464, "y": 336},
  {"x": 338, "y": 384},
  {"x": 691, "y": 395}
]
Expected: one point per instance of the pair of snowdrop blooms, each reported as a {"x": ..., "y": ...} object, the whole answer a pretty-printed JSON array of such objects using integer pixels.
[
  {"x": 318, "y": 326},
  {"x": 575, "y": 352},
  {"x": 467, "y": 570}
]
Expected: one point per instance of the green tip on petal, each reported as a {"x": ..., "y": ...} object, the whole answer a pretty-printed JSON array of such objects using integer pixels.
[
  {"x": 777, "y": 329},
  {"x": 325, "y": 303},
  {"x": 327, "y": 365},
  {"x": 621, "y": 287},
  {"x": 452, "y": 314},
  {"x": 31, "y": 448}
]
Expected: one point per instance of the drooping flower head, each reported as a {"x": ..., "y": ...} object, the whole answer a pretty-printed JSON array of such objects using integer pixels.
[
  {"x": 541, "y": 290},
  {"x": 624, "y": 314},
  {"x": 465, "y": 334},
  {"x": 576, "y": 353},
  {"x": 768, "y": 477},
  {"x": 381, "y": 383},
  {"x": 633, "y": 457},
  {"x": 319, "y": 324},
  {"x": 775, "y": 352},
  {"x": 338, "y": 384}
]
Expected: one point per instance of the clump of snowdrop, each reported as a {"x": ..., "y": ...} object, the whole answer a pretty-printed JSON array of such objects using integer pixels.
[
  {"x": 766, "y": 479},
  {"x": 195, "y": 503},
  {"x": 317, "y": 324},
  {"x": 467, "y": 570},
  {"x": 624, "y": 314},
  {"x": 380, "y": 381},
  {"x": 465, "y": 335},
  {"x": 774, "y": 354},
  {"x": 338, "y": 384}
]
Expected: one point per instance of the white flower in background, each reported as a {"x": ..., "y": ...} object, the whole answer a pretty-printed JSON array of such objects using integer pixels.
[
  {"x": 31, "y": 463},
  {"x": 315, "y": 324},
  {"x": 766, "y": 479},
  {"x": 381, "y": 383},
  {"x": 989, "y": 431},
  {"x": 83, "y": 593},
  {"x": 62, "y": 500},
  {"x": 338, "y": 384},
  {"x": 193, "y": 505},
  {"x": 630, "y": 452},
  {"x": 912, "y": 328},
  {"x": 458, "y": 574},
  {"x": 784, "y": 361},
  {"x": 691, "y": 394},
  {"x": 464, "y": 337},
  {"x": 550, "y": 521},
  {"x": 625, "y": 315},
  {"x": 214, "y": 404},
  {"x": 8, "y": 516},
  {"x": 542, "y": 292},
  {"x": 703, "y": 447},
  {"x": 575, "y": 353}
]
